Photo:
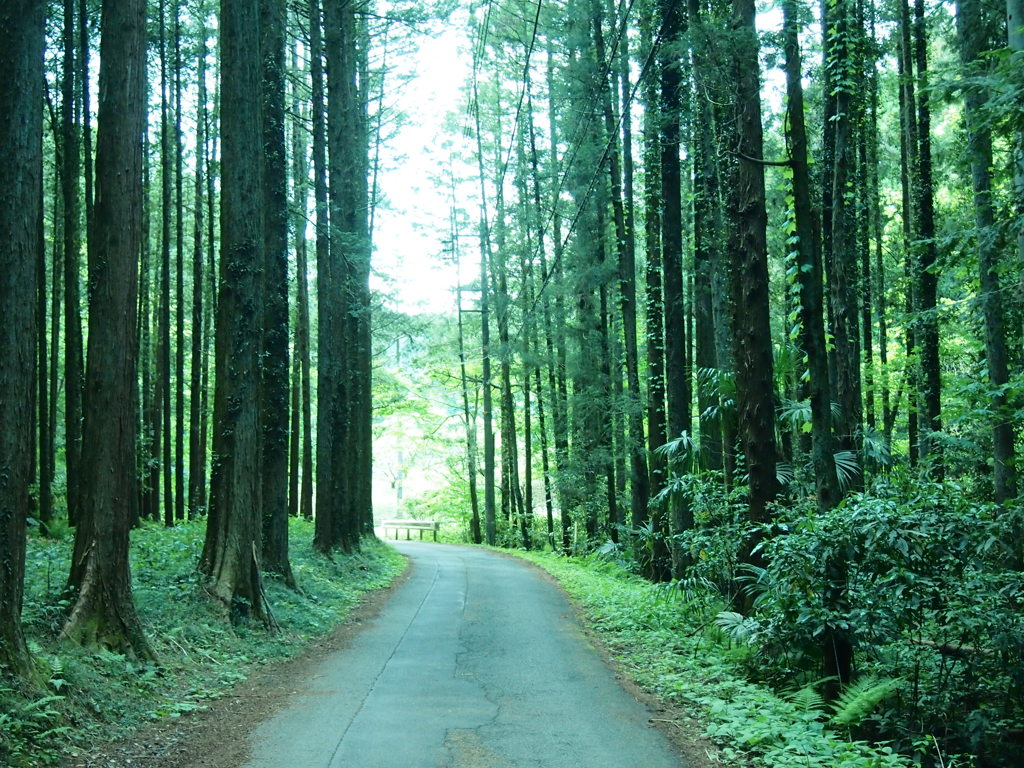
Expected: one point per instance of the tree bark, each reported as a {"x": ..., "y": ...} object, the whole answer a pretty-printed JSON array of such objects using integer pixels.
[
  {"x": 21, "y": 147},
  {"x": 73, "y": 345},
  {"x": 840, "y": 255},
  {"x": 274, "y": 303},
  {"x": 231, "y": 552},
  {"x": 752, "y": 344},
  {"x": 926, "y": 279},
  {"x": 103, "y": 613},
  {"x": 812, "y": 329},
  {"x": 323, "y": 535},
  {"x": 972, "y": 28},
  {"x": 655, "y": 557},
  {"x": 707, "y": 239},
  {"x": 179, "y": 280},
  {"x": 1015, "y": 39},
  {"x": 626, "y": 294},
  {"x": 838, "y": 651},
  {"x": 197, "y": 402},
  {"x": 677, "y": 383}
]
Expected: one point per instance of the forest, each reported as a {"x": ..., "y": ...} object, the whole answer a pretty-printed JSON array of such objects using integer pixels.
[{"x": 732, "y": 296}]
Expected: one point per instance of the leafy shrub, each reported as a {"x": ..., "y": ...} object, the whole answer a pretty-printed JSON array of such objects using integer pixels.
[{"x": 931, "y": 596}]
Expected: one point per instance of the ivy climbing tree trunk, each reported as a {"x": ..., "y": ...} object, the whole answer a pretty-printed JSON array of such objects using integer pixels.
[
  {"x": 752, "y": 344},
  {"x": 841, "y": 252}
]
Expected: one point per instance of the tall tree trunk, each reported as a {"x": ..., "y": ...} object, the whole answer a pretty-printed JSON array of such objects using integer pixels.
[
  {"x": 340, "y": 337},
  {"x": 838, "y": 651},
  {"x": 656, "y": 555},
  {"x": 73, "y": 350},
  {"x": 41, "y": 402},
  {"x": 707, "y": 238},
  {"x": 908, "y": 176},
  {"x": 548, "y": 355},
  {"x": 149, "y": 416},
  {"x": 197, "y": 446},
  {"x": 1015, "y": 39},
  {"x": 812, "y": 329},
  {"x": 21, "y": 156},
  {"x": 179, "y": 281},
  {"x": 510, "y": 485},
  {"x": 103, "y": 613},
  {"x": 840, "y": 256},
  {"x": 54, "y": 380},
  {"x": 626, "y": 294},
  {"x": 274, "y": 301},
  {"x": 469, "y": 415},
  {"x": 555, "y": 333},
  {"x": 752, "y": 344},
  {"x": 84, "y": 23},
  {"x": 973, "y": 28},
  {"x": 677, "y": 383},
  {"x": 301, "y": 491},
  {"x": 164, "y": 401},
  {"x": 231, "y": 551},
  {"x": 490, "y": 522},
  {"x": 879, "y": 282},
  {"x": 926, "y": 249},
  {"x": 323, "y": 536}
]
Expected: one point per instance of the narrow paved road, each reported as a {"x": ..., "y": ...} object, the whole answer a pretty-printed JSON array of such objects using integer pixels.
[{"x": 475, "y": 662}]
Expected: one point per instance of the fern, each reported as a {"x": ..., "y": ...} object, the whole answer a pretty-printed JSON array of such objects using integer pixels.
[
  {"x": 858, "y": 699},
  {"x": 807, "y": 700}
]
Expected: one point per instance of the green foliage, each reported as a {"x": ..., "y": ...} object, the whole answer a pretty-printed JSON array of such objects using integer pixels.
[
  {"x": 664, "y": 636},
  {"x": 857, "y": 700},
  {"x": 931, "y": 596},
  {"x": 97, "y": 695}
]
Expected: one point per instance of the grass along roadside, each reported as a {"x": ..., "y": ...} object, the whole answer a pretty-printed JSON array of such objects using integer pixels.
[
  {"x": 674, "y": 650},
  {"x": 92, "y": 696}
]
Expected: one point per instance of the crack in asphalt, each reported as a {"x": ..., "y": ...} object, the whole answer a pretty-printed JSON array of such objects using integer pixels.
[{"x": 384, "y": 666}]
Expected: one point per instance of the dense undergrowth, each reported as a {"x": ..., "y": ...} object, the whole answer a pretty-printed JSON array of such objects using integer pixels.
[
  {"x": 86, "y": 696},
  {"x": 675, "y": 643}
]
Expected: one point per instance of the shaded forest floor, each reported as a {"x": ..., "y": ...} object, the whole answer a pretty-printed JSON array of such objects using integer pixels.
[
  {"x": 208, "y": 672},
  {"x": 217, "y": 736}
]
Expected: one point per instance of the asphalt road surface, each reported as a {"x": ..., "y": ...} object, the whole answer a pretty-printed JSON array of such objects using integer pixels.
[{"x": 475, "y": 662}]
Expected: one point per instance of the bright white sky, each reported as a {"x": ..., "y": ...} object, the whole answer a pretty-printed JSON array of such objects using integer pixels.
[{"x": 412, "y": 224}]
